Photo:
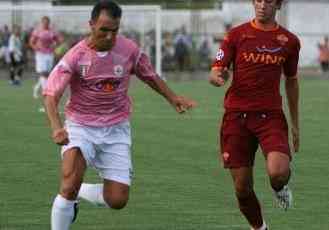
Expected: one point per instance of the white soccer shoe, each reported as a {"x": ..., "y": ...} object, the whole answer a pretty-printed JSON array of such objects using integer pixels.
[
  {"x": 284, "y": 197},
  {"x": 42, "y": 110}
]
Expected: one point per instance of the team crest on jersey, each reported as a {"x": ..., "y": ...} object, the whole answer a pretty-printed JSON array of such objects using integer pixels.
[
  {"x": 118, "y": 70},
  {"x": 84, "y": 68},
  {"x": 226, "y": 156},
  {"x": 220, "y": 55},
  {"x": 283, "y": 39}
]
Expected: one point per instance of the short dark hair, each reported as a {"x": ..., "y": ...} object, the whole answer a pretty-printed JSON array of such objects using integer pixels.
[
  {"x": 111, "y": 7},
  {"x": 45, "y": 18}
]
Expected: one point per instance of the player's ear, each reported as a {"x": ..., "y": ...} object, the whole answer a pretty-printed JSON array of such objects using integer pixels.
[{"x": 92, "y": 24}]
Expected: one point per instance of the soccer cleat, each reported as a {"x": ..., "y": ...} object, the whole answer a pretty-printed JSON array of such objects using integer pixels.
[
  {"x": 263, "y": 227},
  {"x": 42, "y": 110},
  {"x": 76, "y": 210},
  {"x": 284, "y": 197}
]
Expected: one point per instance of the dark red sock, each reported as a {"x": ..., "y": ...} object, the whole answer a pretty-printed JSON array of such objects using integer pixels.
[{"x": 250, "y": 208}]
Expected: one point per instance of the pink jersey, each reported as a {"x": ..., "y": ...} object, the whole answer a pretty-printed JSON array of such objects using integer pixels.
[
  {"x": 45, "y": 40},
  {"x": 99, "y": 81}
]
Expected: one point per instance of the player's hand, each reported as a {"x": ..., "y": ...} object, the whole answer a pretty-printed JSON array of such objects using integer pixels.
[
  {"x": 60, "y": 136},
  {"x": 295, "y": 138},
  {"x": 182, "y": 104},
  {"x": 218, "y": 76}
]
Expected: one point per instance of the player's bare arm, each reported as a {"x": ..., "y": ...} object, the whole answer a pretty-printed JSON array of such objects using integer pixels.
[
  {"x": 59, "y": 134},
  {"x": 218, "y": 76},
  {"x": 32, "y": 42},
  {"x": 292, "y": 90},
  {"x": 180, "y": 103}
]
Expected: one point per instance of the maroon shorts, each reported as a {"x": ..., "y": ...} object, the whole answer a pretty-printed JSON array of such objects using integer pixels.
[{"x": 242, "y": 132}]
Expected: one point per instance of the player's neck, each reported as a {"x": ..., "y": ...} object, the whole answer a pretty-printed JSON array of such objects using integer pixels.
[
  {"x": 92, "y": 44},
  {"x": 266, "y": 26}
]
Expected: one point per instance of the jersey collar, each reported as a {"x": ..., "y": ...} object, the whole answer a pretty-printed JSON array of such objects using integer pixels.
[{"x": 253, "y": 24}]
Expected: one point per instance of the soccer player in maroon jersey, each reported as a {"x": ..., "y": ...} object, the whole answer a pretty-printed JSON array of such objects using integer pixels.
[{"x": 259, "y": 51}]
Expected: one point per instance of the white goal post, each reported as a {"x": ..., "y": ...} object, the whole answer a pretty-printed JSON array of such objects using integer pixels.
[{"x": 142, "y": 21}]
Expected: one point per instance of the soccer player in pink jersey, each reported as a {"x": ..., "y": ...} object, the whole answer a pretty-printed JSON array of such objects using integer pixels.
[
  {"x": 260, "y": 51},
  {"x": 43, "y": 41},
  {"x": 97, "y": 129}
]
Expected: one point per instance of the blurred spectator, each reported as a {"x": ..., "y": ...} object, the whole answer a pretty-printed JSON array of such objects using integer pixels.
[
  {"x": 168, "y": 60},
  {"x": 183, "y": 44},
  {"x": 324, "y": 55},
  {"x": 204, "y": 53},
  {"x": 149, "y": 46},
  {"x": 61, "y": 48},
  {"x": 28, "y": 52},
  {"x": 4, "y": 52},
  {"x": 15, "y": 48}
]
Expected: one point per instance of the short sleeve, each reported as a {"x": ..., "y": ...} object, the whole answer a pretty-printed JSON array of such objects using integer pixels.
[
  {"x": 60, "y": 76},
  {"x": 143, "y": 67},
  {"x": 226, "y": 51},
  {"x": 291, "y": 64}
]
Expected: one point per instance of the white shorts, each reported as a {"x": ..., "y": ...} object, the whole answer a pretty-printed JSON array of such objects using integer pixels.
[
  {"x": 5, "y": 54},
  {"x": 107, "y": 149},
  {"x": 44, "y": 62}
]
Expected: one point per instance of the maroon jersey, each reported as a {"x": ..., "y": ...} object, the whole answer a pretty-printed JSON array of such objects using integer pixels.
[{"x": 258, "y": 59}]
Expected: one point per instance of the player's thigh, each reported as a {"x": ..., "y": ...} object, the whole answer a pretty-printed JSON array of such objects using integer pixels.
[
  {"x": 243, "y": 180},
  {"x": 271, "y": 129},
  {"x": 237, "y": 144},
  {"x": 73, "y": 169},
  {"x": 113, "y": 162}
]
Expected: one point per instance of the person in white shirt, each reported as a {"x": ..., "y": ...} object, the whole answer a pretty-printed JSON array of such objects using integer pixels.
[{"x": 15, "y": 47}]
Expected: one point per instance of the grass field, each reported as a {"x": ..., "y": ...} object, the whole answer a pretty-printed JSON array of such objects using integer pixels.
[{"x": 179, "y": 183}]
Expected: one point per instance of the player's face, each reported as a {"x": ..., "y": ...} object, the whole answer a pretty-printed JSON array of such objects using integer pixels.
[
  {"x": 45, "y": 23},
  {"x": 265, "y": 10},
  {"x": 104, "y": 31},
  {"x": 326, "y": 39}
]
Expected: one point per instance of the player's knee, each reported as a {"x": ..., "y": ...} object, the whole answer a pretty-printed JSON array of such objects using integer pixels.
[
  {"x": 116, "y": 202},
  {"x": 279, "y": 175}
]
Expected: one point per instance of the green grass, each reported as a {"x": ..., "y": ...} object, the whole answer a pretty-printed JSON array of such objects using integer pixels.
[{"x": 179, "y": 183}]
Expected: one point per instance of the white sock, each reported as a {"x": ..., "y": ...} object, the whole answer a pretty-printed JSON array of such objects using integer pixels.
[
  {"x": 62, "y": 213},
  {"x": 43, "y": 82},
  {"x": 92, "y": 193},
  {"x": 263, "y": 227},
  {"x": 36, "y": 88}
]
